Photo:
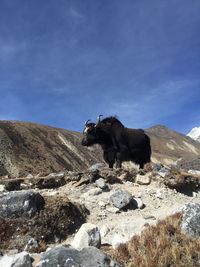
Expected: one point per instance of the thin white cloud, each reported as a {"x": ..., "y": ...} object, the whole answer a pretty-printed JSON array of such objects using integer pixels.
[
  {"x": 155, "y": 105},
  {"x": 10, "y": 49},
  {"x": 74, "y": 13}
]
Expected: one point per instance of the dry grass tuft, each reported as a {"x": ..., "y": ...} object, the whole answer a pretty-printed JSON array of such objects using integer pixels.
[{"x": 163, "y": 245}]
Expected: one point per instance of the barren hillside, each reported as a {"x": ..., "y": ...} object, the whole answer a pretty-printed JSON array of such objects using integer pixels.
[
  {"x": 169, "y": 145},
  {"x": 29, "y": 148},
  {"x": 37, "y": 149}
]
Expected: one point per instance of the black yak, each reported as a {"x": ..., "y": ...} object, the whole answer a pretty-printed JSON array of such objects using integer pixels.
[{"x": 118, "y": 142}]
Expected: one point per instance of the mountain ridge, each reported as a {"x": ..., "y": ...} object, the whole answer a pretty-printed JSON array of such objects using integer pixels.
[{"x": 32, "y": 148}]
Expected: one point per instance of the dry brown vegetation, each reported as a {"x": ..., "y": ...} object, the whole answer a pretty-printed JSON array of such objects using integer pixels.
[
  {"x": 163, "y": 245},
  {"x": 54, "y": 223},
  {"x": 182, "y": 181}
]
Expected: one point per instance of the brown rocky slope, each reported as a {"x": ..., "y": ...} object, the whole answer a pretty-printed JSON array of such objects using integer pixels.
[
  {"x": 168, "y": 145},
  {"x": 37, "y": 149}
]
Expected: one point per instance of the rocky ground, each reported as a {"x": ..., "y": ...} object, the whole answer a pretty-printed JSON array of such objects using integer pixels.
[{"x": 116, "y": 203}]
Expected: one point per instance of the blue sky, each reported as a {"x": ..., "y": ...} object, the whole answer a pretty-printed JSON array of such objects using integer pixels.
[{"x": 65, "y": 61}]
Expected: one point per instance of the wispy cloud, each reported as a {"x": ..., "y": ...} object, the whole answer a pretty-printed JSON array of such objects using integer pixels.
[
  {"x": 138, "y": 60},
  {"x": 155, "y": 105},
  {"x": 9, "y": 49},
  {"x": 74, "y": 13}
]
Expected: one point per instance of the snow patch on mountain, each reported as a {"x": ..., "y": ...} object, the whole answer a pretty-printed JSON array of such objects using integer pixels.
[{"x": 195, "y": 133}]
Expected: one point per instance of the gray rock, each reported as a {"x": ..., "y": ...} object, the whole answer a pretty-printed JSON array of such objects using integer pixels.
[
  {"x": 2, "y": 188},
  {"x": 120, "y": 198},
  {"x": 32, "y": 244},
  {"x": 88, "y": 235},
  {"x": 68, "y": 257},
  {"x": 97, "y": 166},
  {"x": 22, "y": 259},
  {"x": 20, "y": 204},
  {"x": 190, "y": 220},
  {"x": 101, "y": 183},
  {"x": 157, "y": 167},
  {"x": 164, "y": 172}
]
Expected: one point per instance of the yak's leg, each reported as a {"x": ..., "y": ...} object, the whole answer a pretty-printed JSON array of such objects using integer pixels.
[
  {"x": 123, "y": 154},
  {"x": 141, "y": 165},
  {"x": 109, "y": 157},
  {"x": 111, "y": 165},
  {"x": 118, "y": 160}
]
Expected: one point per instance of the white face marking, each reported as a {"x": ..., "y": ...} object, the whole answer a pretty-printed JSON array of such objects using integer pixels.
[{"x": 86, "y": 130}]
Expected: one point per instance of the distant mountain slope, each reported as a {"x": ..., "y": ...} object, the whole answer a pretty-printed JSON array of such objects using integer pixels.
[
  {"x": 37, "y": 149},
  {"x": 195, "y": 134},
  {"x": 32, "y": 148},
  {"x": 169, "y": 145}
]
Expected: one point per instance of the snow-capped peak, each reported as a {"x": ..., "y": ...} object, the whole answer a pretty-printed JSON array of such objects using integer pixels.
[{"x": 195, "y": 133}]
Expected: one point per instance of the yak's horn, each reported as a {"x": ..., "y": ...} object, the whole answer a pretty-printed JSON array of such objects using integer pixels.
[
  {"x": 99, "y": 119},
  {"x": 86, "y": 123}
]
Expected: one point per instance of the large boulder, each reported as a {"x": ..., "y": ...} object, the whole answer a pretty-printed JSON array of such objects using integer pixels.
[
  {"x": 68, "y": 257},
  {"x": 190, "y": 220},
  {"x": 20, "y": 204},
  {"x": 121, "y": 198},
  {"x": 22, "y": 259}
]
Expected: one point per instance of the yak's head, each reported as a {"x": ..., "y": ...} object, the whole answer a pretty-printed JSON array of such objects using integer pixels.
[
  {"x": 90, "y": 136},
  {"x": 94, "y": 133}
]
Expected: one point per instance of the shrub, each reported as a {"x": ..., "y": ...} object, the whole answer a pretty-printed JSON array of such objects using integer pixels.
[{"x": 163, "y": 245}]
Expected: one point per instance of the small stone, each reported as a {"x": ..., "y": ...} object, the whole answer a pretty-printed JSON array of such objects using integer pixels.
[
  {"x": 194, "y": 194},
  {"x": 113, "y": 209},
  {"x": 31, "y": 244},
  {"x": 157, "y": 167},
  {"x": 149, "y": 217},
  {"x": 159, "y": 195},
  {"x": 101, "y": 183},
  {"x": 94, "y": 192},
  {"x": 97, "y": 166},
  {"x": 164, "y": 172},
  {"x": 87, "y": 235},
  {"x": 29, "y": 176},
  {"x": 102, "y": 204},
  {"x": 143, "y": 179},
  {"x": 2, "y": 188}
]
